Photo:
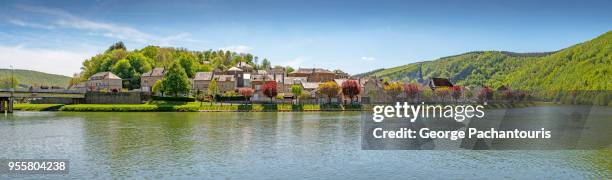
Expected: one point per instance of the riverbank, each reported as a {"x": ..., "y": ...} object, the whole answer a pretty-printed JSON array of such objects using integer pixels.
[
  {"x": 162, "y": 106},
  {"x": 165, "y": 106}
]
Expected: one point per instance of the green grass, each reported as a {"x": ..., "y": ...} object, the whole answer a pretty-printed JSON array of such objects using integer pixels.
[
  {"x": 27, "y": 77},
  {"x": 170, "y": 106},
  {"x": 36, "y": 107}
]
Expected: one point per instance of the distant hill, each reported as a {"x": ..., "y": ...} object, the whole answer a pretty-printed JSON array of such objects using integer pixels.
[
  {"x": 27, "y": 78},
  {"x": 585, "y": 66}
]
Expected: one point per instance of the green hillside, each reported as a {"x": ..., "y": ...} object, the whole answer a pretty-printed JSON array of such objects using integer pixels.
[
  {"x": 585, "y": 66},
  {"x": 26, "y": 78}
]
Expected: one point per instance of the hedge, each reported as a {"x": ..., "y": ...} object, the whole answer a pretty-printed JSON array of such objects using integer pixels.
[{"x": 167, "y": 98}]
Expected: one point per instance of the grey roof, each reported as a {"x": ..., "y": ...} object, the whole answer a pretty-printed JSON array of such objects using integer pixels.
[
  {"x": 310, "y": 85},
  {"x": 155, "y": 72},
  {"x": 262, "y": 72},
  {"x": 311, "y": 70},
  {"x": 225, "y": 78},
  {"x": 244, "y": 65},
  {"x": 234, "y": 69},
  {"x": 104, "y": 75},
  {"x": 292, "y": 80},
  {"x": 259, "y": 77},
  {"x": 203, "y": 76}
]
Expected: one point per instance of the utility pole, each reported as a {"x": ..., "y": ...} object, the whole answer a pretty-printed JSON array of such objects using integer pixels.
[{"x": 10, "y": 103}]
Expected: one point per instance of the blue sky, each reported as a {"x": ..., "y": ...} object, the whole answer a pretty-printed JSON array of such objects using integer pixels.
[{"x": 355, "y": 36}]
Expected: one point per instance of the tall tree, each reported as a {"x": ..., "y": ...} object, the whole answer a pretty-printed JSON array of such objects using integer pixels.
[
  {"x": 118, "y": 45},
  {"x": 212, "y": 90},
  {"x": 139, "y": 62},
  {"x": 175, "y": 81},
  {"x": 123, "y": 69},
  {"x": 188, "y": 63},
  {"x": 265, "y": 64}
]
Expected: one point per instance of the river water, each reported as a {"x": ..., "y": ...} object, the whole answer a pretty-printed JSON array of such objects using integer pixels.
[{"x": 319, "y": 145}]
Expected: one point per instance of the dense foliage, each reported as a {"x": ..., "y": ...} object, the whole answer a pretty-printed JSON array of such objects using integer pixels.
[
  {"x": 130, "y": 65},
  {"x": 351, "y": 89},
  {"x": 175, "y": 81},
  {"x": 269, "y": 89},
  {"x": 329, "y": 89}
]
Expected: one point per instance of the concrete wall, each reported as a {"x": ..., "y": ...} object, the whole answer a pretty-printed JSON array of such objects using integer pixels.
[
  {"x": 113, "y": 98},
  {"x": 57, "y": 100}
]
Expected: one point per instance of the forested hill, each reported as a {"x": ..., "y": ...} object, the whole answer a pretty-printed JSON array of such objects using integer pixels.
[
  {"x": 584, "y": 66},
  {"x": 26, "y": 78},
  {"x": 131, "y": 64}
]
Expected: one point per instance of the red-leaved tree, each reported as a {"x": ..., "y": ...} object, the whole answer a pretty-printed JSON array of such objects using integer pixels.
[
  {"x": 411, "y": 90},
  {"x": 269, "y": 89},
  {"x": 456, "y": 92},
  {"x": 485, "y": 94},
  {"x": 351, "y": 89},
  {"x": 247, "y": 93}
]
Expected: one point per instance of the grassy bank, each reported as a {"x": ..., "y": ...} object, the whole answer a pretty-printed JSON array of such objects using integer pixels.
[
  {"x": 165, "y": 106},
  {"x": 37, "y": 107}
]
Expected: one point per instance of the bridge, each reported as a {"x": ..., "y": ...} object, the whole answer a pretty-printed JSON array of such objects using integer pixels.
[{"x": 8, "y": 96}]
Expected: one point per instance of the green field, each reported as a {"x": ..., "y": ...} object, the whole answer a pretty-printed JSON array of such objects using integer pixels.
[{"x": 26, "y": 78}]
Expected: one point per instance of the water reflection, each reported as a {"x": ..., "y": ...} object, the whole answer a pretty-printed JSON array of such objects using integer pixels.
[{"x": 255, "y": 146}]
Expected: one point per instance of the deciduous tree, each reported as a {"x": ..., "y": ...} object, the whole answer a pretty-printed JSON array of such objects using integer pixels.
[
  {"x": 393, "y": 89},
  {"x": 412, "y": 91},
  {"x": 269, "y": 89},
  {"x": 330, "y": 89},
  {"x": 296, "y": 90},
  {"x": 175, "y": 81},
  {"x": 247, "y": 93},
  {"x": 351, "y": 89}
]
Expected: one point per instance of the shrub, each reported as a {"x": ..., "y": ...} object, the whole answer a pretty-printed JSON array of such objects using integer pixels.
[{"x": 164, "y": 98}]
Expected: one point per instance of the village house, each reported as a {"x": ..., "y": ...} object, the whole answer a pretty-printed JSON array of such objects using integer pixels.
[
  {"x": 104, "y": 81},
  {"x": 201, "y": 81},
  {"x": 225, "y": 83},
  {"x": 290, "y": 81},
  {"x": 311, "y": 88},
  {"x": 245, "y": 67},
  {"x": 339, "y": 74},
  {"x": 314, "y": 74},
  {"x": 238, "y": 76},
  {"x": 148, "y": 79},
  {"x": 257, "y": 82},
  {"x": 437, "y": 83},
  {"x": 371, "y": 90}
]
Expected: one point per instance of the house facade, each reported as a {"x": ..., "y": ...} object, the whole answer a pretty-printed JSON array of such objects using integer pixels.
[
  {"x": 201, "y": 81},
  {"x": 314, "y": 74},
  {"x": 148, "y": 79},
  {"x": 104, "y": 81}
]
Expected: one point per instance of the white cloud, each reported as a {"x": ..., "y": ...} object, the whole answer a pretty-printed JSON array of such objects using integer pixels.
[
  {"x": 27, "y": 24},
  {"x": 365, "y": 58},
  {"x": 238, "y": 48},
  {"x": 122, "y": 32},
  {"x": 44, "y": 60}
]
